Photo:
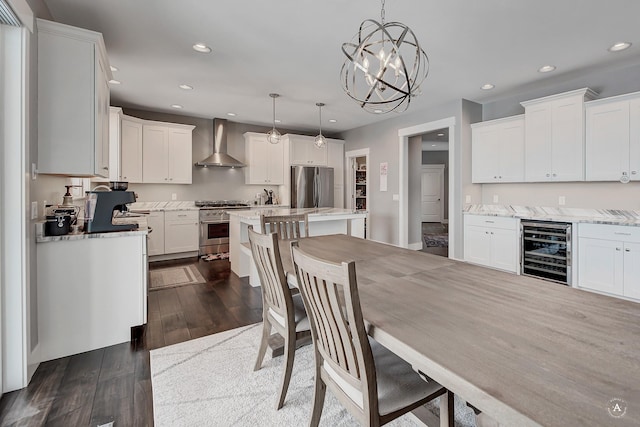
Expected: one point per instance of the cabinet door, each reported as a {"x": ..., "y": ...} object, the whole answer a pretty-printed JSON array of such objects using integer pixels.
[
  {"x": 155, "y": 164},
  {"x": 607, "y": 141},
  {"x": 567, "y": 147},
  {"x": 477, "y": 245},
  {"x": 180, "y": 162},
  {"x": 600, "y": 265},
  {"x": 102, "y": 120},
  {"x": 537, "y": 148},
  {"x": 634, "y": 139},
  {"x": 316, "y": 156},
  {"x": 484, "y": 154},
  {"x": 181, "y": 232},
  {"x": 155, "y": 240},
  {"x": 504, "y": 249},
  {"x": 130, "y": 151},
  {"x": 335, "y": 160},
  {"x": 511, "y": 152},
  {"x": 275, "y": 164},
  {"x": 256, "y": 150},
  {"x": 114, "y": 144},
  {"x": 631, "y": 275},
  {"x": 304, "y": 152},
  {"x": 297, "y": 152}
]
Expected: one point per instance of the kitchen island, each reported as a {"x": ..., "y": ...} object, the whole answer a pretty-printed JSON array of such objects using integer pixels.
[{"x": 322, "y": 221}]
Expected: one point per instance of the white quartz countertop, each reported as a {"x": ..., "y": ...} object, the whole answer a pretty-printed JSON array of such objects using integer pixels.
[
  {"x": 163, "y": 206},
  {"x": 254, "y": 214},
  {"x": 594, "y": 216},
  {"x": 79, "y": 235}
]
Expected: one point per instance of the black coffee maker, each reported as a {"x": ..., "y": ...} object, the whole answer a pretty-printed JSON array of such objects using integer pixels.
[{"x": 100, "y": 207}]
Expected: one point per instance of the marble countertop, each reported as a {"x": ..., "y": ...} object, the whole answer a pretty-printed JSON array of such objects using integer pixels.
[
  {"x": 594, "y": 216},
  {"x": 179, "y": 206},
  {"x": 254, "y": 214},
  {"x": 79, "y": 235}
]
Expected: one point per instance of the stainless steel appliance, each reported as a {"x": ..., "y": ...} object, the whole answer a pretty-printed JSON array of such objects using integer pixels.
[
  {"x": 214, "y": 224},
  {"x": 311, "y": 187},
  {"x": 546, "y": 250}
]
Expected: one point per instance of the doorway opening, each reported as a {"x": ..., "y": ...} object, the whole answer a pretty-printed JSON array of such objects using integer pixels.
[{"x": 434, "y": 189}]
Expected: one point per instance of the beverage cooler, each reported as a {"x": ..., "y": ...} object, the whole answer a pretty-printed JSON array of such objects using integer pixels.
[{"x": 546, "y": 250}]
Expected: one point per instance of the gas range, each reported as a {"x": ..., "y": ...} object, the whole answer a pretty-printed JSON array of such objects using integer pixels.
[{"x": 214, "y": 224}]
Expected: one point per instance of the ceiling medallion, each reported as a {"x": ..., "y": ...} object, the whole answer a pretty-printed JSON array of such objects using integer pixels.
[{"x": 385, "y": 66}]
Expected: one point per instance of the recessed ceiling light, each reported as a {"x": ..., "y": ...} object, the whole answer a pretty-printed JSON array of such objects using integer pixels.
[
  {"x": 333, "y": 121},
  {"x": 433, "y": 145},
  {"x": 620, "y": 46},
  {"x": 185, "y": 87},
  {"x": 201, "y": 47},
  {"x": 546, "y": 68},
  {"x": 114, "y": 82},
  {"x": 487, "y": 86},
  {"x": 177, "y": 106},
  {"x": 230, "y": 114},
  {"x": 377, "y": 111},
  {"x": 441, "y": 134},
  {"x": 277, "y": 121},
  {"x": 113, "y": 68}
]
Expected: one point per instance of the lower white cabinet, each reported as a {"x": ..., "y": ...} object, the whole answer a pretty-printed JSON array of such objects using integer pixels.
[
  {"x": 180, "y": 231},
  {"x": 155, "y": 221},
  {"x": 491, "y": 241},
  {"x": 609, "y": 259}
]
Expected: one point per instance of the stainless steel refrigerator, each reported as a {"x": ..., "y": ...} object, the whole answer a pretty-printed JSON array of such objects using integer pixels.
[{"x": 311, "y": 187}]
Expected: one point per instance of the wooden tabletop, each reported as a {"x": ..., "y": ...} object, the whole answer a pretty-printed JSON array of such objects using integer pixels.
[{"x": 526, "y": 351}]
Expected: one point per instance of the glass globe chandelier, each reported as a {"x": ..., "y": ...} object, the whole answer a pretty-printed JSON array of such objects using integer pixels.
[
  {"x": 273, "y": 136},
  {"x": 385, "y": 66},
  {"x": 320, "y": 141}
]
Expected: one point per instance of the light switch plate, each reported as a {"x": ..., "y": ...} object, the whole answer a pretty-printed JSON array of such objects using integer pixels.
[
  {"x": 562, "y": 200},
  {"x": 34, "y": 210},
  {"x": 396, "y": 197},
  {"x": 495, "y": 198},
  {"x": 467, "y": 199},
  {"x": 174, "y": 196}
]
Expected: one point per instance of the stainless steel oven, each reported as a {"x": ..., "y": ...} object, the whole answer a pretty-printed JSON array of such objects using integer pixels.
[
  {"x": 214, "y": 225},
  {"x": 546, "y": 250}
]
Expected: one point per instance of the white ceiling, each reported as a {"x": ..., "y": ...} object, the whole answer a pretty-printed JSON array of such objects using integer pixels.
[{"x": 293, "y": 47}]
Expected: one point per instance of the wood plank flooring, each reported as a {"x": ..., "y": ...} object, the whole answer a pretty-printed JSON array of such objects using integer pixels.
[{"x": 113, "y": 384}]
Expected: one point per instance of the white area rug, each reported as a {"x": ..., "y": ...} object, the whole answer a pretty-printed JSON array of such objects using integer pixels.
[
  {"x": 172, "y": 277},
  {"x": 210, "y": 381}
]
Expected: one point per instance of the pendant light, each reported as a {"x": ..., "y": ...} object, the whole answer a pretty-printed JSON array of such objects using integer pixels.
[
  {"x": 273, "y": 136},
  {"x": 320, "y": 140},
  {"x": 385, "y": 66}
]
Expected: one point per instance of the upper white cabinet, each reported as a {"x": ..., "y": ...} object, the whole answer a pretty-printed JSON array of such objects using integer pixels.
[
  {"x": 115, "y": 117},
  {"x": 609, "y": 259},
  {"x": 73, "y": 101},
  {"x": 497, "y": 150},
  {"x": 302, "y": 151},
  {"x": 265, "y": 161},
  {"x": 130, "y": 150},
  {"x": 613, "y": 139},
  {"x": 554, "y": 137},
  {"x": 166, "y": 153}
]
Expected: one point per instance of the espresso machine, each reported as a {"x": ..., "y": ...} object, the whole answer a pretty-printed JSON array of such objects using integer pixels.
[{"x": 100, "y": 207}]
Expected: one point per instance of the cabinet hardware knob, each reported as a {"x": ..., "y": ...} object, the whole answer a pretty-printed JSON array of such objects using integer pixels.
[
  {"x": 500, "y": 177},
  {"x": 617, "y": 249},
  {"x": 624, "y": 173},
  {"x": 555, "y": 174},
  {"x": 634, "y": 172},
  {"x": 105, "y": 168},
  {"x": 548, "y": 175},
  {"x": 627, "y": 250}
]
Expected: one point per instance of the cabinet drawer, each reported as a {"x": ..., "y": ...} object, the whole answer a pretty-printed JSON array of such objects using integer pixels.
[
  {"x": 178, "y": 216},
  {"x": 492, "y": 221},
  {"x": 622, "y": 233}
]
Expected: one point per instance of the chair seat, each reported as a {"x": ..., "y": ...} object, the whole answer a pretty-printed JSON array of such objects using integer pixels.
[
  {"x": 299, "y": 314},
  {"x": 398, "y": 384}
]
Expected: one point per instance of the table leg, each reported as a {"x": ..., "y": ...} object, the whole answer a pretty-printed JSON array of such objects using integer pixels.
[{"x": 446, "y": 409}]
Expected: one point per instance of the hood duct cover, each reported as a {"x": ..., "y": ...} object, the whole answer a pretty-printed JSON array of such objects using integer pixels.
[{"x": 220, "y": 158}]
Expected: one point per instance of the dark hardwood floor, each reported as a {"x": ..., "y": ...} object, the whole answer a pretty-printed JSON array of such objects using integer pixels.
[{"x": 113, "y": 384}]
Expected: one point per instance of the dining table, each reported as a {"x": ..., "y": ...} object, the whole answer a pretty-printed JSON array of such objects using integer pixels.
[{"x": 524, "y": 351}]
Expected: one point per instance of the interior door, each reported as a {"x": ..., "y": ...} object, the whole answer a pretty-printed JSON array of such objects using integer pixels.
[{"x": 432, "y": 184}]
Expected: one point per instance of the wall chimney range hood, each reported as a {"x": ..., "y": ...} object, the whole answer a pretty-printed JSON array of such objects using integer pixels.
[{"x": 220, "y": 158}]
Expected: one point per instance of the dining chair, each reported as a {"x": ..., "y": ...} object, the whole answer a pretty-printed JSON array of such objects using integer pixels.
[
  {"x": 281, "y": 310},
  {"x": 374, "y": 384},
  {"x": 288, "y": 227}
]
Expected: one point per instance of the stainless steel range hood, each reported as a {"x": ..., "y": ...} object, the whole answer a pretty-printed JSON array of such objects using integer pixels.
[{"x": 220, "y": 158}]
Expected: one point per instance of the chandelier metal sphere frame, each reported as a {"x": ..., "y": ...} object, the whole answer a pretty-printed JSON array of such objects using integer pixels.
[{"x": 385, "y": 66}]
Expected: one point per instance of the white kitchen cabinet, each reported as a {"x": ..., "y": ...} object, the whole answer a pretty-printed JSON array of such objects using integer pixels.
[
  {"x": 335, "y": 160},
  {"x": 613, "y": 138},
  {"x": 92, "y": 298},
  {"x": 155, "y": 221},
  {"x": 130, "y": 150},
  {"x": 265, "y": 161},
  {"x": 554, "y": 137},
  {"x": 491, "y": 241},
  {"x": 609, "y": 259},
  {"x": 73, "y": 101},
  {"x": 181, "y": 231},
  {"x": 303, "y": 152},
  {"x": 166, "y": 153},
  {"x": 497, "y": 150}
]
